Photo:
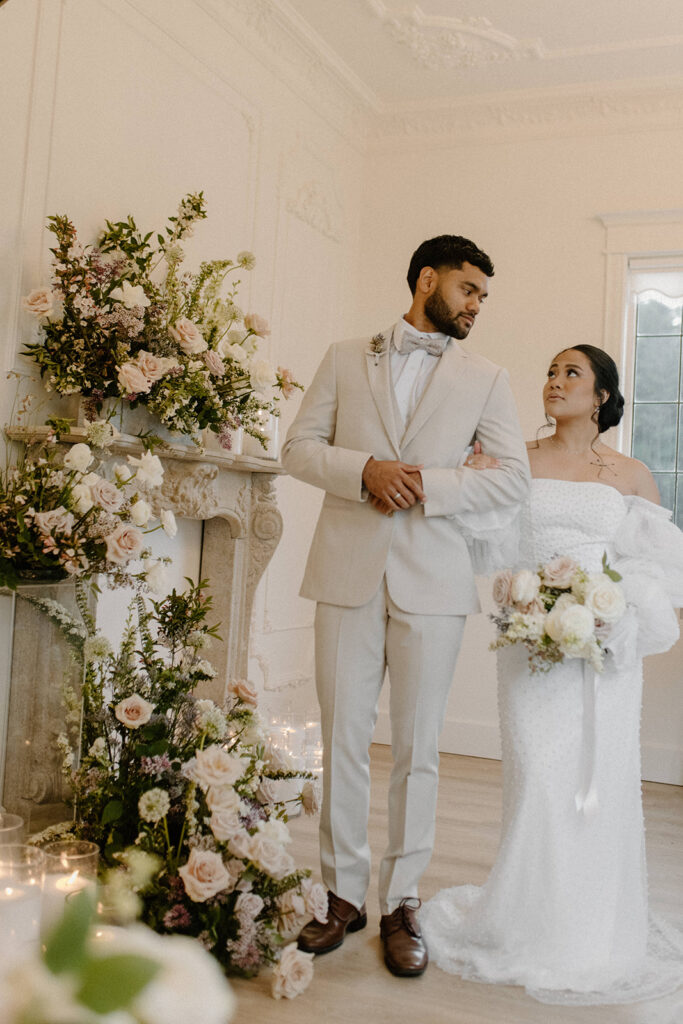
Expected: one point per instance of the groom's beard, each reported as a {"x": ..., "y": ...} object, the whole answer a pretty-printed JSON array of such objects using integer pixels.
[{"x": 443, "y": 318}]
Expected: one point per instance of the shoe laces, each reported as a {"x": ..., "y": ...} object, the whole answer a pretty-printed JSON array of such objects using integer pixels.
[{"x": 403, "y": 917}]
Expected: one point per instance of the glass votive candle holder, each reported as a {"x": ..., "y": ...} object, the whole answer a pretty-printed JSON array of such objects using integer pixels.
[
  {"x": 22, "y": 871},
  {"x": 70, "y": 867},
  {"x": 11, "y": 829}
]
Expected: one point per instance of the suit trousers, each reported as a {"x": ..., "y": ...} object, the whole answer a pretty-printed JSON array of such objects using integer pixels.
[{"x": 354, "y": 648}]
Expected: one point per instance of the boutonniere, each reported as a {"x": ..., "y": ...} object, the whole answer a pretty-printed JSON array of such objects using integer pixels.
[{"x": 378, "y": 347}]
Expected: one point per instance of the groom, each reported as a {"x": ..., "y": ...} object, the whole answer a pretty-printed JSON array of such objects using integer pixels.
[{"x": 382, "y": 430}]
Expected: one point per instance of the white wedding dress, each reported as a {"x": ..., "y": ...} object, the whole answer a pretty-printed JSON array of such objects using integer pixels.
[{"x": 564, "y": 911}]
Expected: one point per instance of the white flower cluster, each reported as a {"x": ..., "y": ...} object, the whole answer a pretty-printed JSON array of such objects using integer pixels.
[{"x": 558, "y": 612}]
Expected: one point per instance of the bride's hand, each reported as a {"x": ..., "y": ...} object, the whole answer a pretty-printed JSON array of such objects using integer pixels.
[{"x": 477, "y": 459}]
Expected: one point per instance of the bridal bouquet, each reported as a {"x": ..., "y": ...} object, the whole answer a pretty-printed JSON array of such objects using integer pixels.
[
  {"x": 122, "y": 320},
  {"x": 61, "y": 516},
  {"x": 561, "y": 611},
  {"x": 181, "y": 795}
]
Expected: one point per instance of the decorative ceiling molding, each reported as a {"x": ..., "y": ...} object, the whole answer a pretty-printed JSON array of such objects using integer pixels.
[
  {"x": 296, "y": 54},
  {"x": 459, "y": 44},
  {"x": 585, "y": 110},
  {"x": 453, "y": 43}
]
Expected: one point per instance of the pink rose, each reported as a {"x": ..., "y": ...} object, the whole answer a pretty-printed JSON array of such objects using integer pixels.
[
  {"x": 204, "y": 875},
  {"x": 40, "y": 302},
  {"x": 154, "y": 367},
  {"x": 214, "y": 363},
  {"x": 239, "y": 844},
  {"x": 559, "y": 572},
  {"x": 248, "y": 906},
  {"x": 223, "y": 798},
  {"x": 244, "y": 691},
  {"x": 315, "y": 896},
  {"x": 287, "y": 382},
  {"x": 106, "y": 495},
  {"x": 55, "y": 519},
  {"x": 291, "y": 911},
  {"x": 257, "y": 324},
  {"x": 134, "y": 711},
  {"x": 224, "y": 824},
  {"x": 310, "y": 797},
  {"x": 293, "y": 973},
  {"x": 124, "y": 543},
  {"x": 188, "y": 336},
  {"x": 132, "y": 380},
  {"x": 502, "y": 588}
]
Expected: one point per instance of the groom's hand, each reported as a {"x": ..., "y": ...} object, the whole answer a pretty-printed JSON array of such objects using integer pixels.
[{"x": 397, "y": 484}]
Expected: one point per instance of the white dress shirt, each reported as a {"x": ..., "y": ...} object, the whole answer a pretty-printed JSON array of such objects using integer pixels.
[{"x": 410, "y": 372}]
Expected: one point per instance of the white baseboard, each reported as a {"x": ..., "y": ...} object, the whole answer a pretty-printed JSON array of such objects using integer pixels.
[{"x": 661, "y": 762}]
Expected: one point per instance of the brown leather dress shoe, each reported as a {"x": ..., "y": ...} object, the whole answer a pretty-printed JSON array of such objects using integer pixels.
[
  {"x": 405, "y": 953},
  {"x": 342, "y": 917}
]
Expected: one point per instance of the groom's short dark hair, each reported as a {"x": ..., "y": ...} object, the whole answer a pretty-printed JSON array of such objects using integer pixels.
[{"x": 447, "y": 251}]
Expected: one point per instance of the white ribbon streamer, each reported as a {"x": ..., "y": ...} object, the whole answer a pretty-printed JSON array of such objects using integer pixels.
[{"x": 586, "y": 798}]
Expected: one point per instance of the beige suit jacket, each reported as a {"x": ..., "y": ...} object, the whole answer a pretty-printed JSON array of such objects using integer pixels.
[{"x": 347, "y": 415}]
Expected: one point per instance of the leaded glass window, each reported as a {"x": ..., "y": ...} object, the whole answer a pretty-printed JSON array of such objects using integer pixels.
[{"x": 657, "y": 380}]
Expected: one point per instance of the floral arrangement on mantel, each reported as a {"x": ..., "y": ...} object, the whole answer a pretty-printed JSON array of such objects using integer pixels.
[
  {"x": 122, "y": 320},
  {"x": 561, "y": 611},
  {"x": 181, "y": 795},
  {"x": 61, "y": 516}
]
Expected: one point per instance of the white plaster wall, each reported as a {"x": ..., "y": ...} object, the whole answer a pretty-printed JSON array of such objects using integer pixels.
[{"x": 532, "y": 205}]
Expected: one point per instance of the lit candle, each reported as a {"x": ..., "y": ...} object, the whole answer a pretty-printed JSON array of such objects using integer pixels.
[{"x": 56, "y": 891}]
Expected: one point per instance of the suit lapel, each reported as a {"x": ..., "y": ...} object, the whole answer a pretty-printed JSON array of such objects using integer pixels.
[
  {"x": 451, "y": 365},
  {"x": 379, "y": 377}
]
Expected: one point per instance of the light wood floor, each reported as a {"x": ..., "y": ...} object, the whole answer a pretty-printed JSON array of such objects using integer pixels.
[{"x": 352, "y": 985}]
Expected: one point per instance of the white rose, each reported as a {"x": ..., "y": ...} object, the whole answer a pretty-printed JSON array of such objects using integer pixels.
[
  {"x": 130, "y": 295},
  {"x": 267, "y": 791},
  {"x": 81, "y": 499},
  {"x": 524, "y": 587},
  {"x": 214, "y": 363},
  {"x": 204, "y": 875},
  {"x": 270, "y": 856},
  {"x": 132, "y": 380},
  {"x": 40, "y": 302},
  {"x": 78, "y": 457},
  {"x": 291, "y": 911},
  {"x": 156, "y": 576},
  {"x": 240, "y": 844},
  {"x": 559, "y": 572},
  {"x": 223, "y": 798},
  {"x": 293, "y": 973},
  {"x": 140, "y": 512},
  {"x": 310, "y": 797},
  {"x": 168, "y": 523},
  {"x": 276, "y": 830},
  {"x": 148, "y": 469},
  {"x": 216, "y": 767},
  {"x": 124, "y": 543},
  {"x": 570, "y": 626},
  {"x": 106, "y": 495},
  {"x": 232, "y": 350},
  {"x": 134, "y": 711},
  {"x": 122, "y": 473},
  {"x": 188, "y": 336},
  {"x": 261, "y": 374},
  {"x": 604, "y": 598},
  {"x": 224, "y": 824},
  {"x": 257, "y": 325}
]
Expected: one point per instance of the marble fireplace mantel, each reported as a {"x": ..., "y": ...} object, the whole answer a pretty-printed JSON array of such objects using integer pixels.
[{"x": 234, "y": 495}]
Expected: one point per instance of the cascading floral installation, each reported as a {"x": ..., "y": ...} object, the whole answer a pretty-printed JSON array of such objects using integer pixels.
[
  {"x": 60, "y": 515},
  {"x": 181, "y": 794},
  {"x": 121, "y": 320}
]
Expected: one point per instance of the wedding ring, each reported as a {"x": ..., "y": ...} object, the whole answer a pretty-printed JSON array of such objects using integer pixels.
[{"x": 397, "y": 495}]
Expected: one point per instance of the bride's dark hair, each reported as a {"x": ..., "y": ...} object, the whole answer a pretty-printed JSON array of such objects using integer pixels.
[{"x": 606, "y": 379}]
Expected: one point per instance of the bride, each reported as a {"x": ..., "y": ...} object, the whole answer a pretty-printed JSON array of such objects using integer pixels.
[{"x": 564, "y": 911}]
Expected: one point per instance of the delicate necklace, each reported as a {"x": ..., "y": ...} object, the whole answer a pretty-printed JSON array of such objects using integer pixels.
[{"x": 570, "y": 451}]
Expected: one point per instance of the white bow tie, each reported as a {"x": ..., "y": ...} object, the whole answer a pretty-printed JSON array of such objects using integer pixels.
[{"x": 410, "y": 342}]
